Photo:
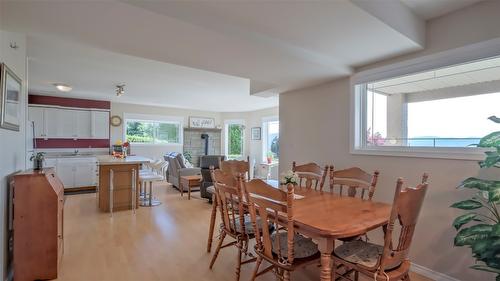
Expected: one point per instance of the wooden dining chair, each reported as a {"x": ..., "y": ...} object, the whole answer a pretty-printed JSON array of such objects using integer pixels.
[
  {"x": 235, "y": 223},
  {"x": 384, "y": 262},
  {"x": 354, "y": 179},
  {"x": 285, "y": 249},
  {"x": 311, "y": 174},
  {"x": 236, "y": 167}
]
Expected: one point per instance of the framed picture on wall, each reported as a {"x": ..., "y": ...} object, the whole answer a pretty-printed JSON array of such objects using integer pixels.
[
  {"x": 256, "y": 133},
  {"x": 10, "y": 100},
  {"x": 201, "y": 122}
]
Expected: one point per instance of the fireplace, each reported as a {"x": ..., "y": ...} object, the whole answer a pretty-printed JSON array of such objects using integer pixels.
[{"x": 198, "y": 142}]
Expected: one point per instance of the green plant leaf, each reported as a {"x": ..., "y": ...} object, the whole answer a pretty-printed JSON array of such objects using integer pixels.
[
  {"x": 494, "y": 194},
  {"x": 492, "y": 158},
  {"x": 470, "y": 235},
  {"x": 467, "y": 205},
  {"x": 463, "y": 219},
  {"x": 494, "y": 119},
  {"x": 476, "y": 183},
  {"x": 485, "y": 268},
  {"x": 495, "y": 232},
  {"x": 491, "y": 140}
]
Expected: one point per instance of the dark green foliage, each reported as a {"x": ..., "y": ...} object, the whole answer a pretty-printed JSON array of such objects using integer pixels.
[{"x": 484, "y": 237}]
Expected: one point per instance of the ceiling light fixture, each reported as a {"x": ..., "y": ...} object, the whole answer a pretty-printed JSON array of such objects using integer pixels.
[
  {"x": 120, "y": 90},
  {"x": 63, "y": 87}
]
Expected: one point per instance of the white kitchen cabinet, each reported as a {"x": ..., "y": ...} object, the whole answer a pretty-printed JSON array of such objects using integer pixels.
[
  {"x": 65, "y": 172},
  {"x": 85, "y": 174},
  {"x": 37, "y": 116},
  {"x": 66, "y": 123},
  {"x": 77, "y": 172},
  {"x": 53, "y": 122},
  {"x": 83, "y": 124},
  {"x": 100, "y": 124}
]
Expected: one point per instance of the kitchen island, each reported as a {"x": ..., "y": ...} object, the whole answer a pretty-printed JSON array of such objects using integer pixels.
[{"x": 119, "y": 177}]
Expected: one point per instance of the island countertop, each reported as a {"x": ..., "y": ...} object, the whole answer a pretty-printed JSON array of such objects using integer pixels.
[{"x": 110, "y": 160}]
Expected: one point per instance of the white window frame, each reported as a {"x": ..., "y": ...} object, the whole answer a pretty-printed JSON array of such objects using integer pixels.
[
  {"x": 479, "y": 51},
  {"x": 265, "y": 120},
  {"x": 226, "y": 135},
  {"x": 154, "y": 118}
]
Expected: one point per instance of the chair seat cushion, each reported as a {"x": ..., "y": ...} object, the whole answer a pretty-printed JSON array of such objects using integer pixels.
[
  {"x": 361, "y": 253},
  {"x": 211, "y": 189},
  {"x": 303, "y": 247},
  {"x": 248, "y": 225}
]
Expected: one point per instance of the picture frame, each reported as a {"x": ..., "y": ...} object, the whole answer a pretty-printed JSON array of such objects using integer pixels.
[
  {"x": 201, "y": 122},
  {"x": 256, "y": 133},
  {"x": 10, "y": 99}
]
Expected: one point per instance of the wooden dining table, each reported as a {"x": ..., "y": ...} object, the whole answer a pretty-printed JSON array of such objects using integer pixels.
[{"x": 325, "y": 217}]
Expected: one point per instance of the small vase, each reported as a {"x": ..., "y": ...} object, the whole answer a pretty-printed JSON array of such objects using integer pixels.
[{"x": 38, "y": 164}]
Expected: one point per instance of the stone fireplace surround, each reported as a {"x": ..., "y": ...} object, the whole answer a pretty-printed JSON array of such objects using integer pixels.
[{"x": 195, "y": 145}]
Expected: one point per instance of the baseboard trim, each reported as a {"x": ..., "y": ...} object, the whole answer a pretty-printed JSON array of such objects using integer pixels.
[{"x": 429, "y": 273}]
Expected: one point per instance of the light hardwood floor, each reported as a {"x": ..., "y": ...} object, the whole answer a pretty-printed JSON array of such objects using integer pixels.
[{"x": 166, "y": 242}]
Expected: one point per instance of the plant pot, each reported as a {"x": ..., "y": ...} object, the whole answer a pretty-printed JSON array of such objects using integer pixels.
[
  {"x": 38, "y": 164},
  {"x": 269, "y": 160}
]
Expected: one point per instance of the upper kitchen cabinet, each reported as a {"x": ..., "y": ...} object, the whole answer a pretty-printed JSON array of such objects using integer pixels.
[
  {"x": 62, "y": 123},
  {"x": 37, "y": 116},
  {"x": 100, "y": 124}
]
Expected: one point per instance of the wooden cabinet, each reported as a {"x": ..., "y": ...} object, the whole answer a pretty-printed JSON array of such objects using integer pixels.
[
  {"x": 64, "y": 123},
  {"x": 37, "y": 204},
  {"x": 123, "y": 180}
]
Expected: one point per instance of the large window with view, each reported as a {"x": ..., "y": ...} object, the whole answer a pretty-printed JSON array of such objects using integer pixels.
[
  {"x": 152, "y": 132},
  {"x": 437, "y": 110},
  {"x": 271, "y": 140},
  {"x": 235, "y": 137}
]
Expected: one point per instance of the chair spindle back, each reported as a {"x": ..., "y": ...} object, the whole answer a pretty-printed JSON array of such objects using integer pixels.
[
  {"x": 353, "y": 179},
  {"x": 406, "y": 208},
  {"x": 236, "y": 167},
  {"x": 310, "y": 173},
  {"x": 274, "y": 207}
]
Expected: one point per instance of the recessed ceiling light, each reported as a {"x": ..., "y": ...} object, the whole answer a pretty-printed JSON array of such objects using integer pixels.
[{"x": 63, "y": 87}]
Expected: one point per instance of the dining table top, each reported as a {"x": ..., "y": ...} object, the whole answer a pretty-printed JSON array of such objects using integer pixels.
[{"x": 325, "y": 214}]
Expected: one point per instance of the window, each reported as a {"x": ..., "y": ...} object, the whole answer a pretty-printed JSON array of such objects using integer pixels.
[
  {"x": 144, "y": 131},
  {"x": 434, "y": 111},
  {"x": 271, "y": 140},
  {"x": 235, "y": 137}
]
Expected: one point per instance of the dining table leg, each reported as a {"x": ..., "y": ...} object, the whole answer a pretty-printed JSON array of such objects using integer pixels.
[
  {"x": 212, "y": 223},
  {"x": 325, "y": 246}
]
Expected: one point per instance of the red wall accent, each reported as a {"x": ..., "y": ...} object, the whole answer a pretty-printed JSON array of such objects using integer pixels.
[
  {"x": 69, "y": 102},
  {"x": 71, "y": 143}
]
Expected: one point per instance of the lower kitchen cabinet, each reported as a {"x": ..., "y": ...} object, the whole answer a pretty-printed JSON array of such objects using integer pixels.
[{"x": 75, "y": 172}]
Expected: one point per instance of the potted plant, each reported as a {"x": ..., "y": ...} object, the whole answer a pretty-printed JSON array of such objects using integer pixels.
[
  {"x": 269, "y": 157},
  {"x": 37, "y": 160},
  {"x": 482, "y": 208}
]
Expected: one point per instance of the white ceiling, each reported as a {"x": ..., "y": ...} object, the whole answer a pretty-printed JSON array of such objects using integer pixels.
[
  {"x": 211, "y": 55},
  {"x": 95, "y": 75},
  {"x": 429, "y": 9}
]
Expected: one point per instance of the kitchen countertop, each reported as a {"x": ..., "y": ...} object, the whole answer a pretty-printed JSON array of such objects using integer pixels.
[{"x": 110, "y": 160}]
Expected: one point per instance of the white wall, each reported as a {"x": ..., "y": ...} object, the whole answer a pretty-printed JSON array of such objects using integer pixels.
[
  {"x": 12, "y": 143},
  {"x": 155, "y": 151},
  {"x": 315, "y": 127}
]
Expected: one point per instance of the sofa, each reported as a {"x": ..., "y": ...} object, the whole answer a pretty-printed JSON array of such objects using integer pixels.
[
  {"x": 177, "y": 168},
  {"x": 205, "y": 162}
]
